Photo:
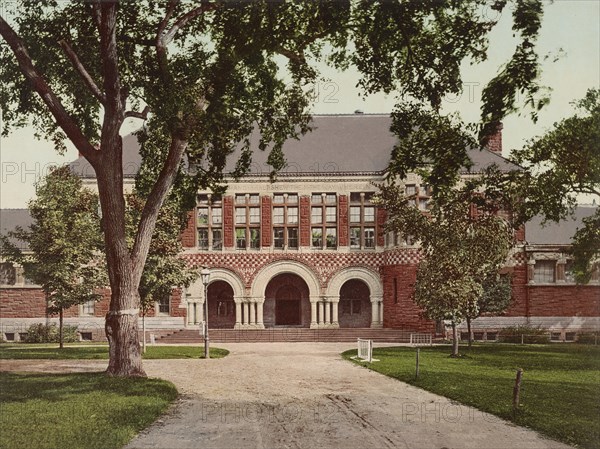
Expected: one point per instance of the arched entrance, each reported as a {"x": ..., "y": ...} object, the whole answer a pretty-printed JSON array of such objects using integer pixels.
[
  {"x": 221, "y": 307},
  {"x": 355, "y": 304},
  {"x": 287, "y": 302}
]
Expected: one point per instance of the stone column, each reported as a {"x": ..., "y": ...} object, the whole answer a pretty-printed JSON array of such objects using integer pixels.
[
  {"x": 313, "y": 314},
  {"x": 251, "y": 307},
  {"x": 238, "y": 315},
  {"x": 246, "y": 321},
  {"x": 259, "y": 315},
  {"x": 374, "y": 314},
  {"x": 380, "y": 313},
  {"x": 321, "y": 314},
  {"x": 327, "y": 306},
  {"x": 334, "y": 313},
  {"x": 200, "y": 311}
]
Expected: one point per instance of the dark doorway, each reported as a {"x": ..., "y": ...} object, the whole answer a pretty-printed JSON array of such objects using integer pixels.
[
  {"x": 287, "y": 306},
  {"x": 221, "y": 307},
  {"x": 286, "y": 302}
]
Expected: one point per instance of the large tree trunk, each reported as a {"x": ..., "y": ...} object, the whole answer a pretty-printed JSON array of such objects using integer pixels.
[
  {"x": 469, "y": 331},
  {"x": 454, "y": 340}
]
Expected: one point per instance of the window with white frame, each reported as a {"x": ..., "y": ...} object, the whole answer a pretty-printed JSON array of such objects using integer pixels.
[
  {"x": 362, "y": 220},
  {"x": 8, "y": 274},
  {"x": 543, "y": 272},
  {"x": 285, "y": 220},
  {"x": 247, "y": 221},
  {"x": 87, "y": 308},
  {"x": 163, "y": 305},
  {"x": 210, "y": 221},
  {"x": 324, "y": 220}
]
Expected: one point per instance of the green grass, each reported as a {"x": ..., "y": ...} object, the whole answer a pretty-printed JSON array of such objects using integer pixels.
[
  {"x": 72, "y": 411},
  {"x": 24, "y": 351},
  {"x": 560, "y": 393}
]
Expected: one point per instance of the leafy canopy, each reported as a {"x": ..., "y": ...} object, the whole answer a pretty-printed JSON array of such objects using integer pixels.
[{"x": 64, "y": 241}]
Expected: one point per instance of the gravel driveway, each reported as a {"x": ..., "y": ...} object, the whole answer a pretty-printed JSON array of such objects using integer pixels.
[{"x": 304, "y": 395}]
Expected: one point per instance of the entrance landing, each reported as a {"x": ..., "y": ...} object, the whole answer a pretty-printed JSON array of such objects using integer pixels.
[{"x": 289, "y": 335}]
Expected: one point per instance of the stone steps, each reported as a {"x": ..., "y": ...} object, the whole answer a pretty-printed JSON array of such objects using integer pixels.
[{"x": 289, "y": 335}]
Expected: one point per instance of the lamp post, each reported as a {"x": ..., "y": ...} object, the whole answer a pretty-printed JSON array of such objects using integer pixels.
[{"x": 205, "y": 273}]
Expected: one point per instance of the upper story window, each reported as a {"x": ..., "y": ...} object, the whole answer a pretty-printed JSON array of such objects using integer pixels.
[
  {"x": 543, "y": 272},
  {"x": 8, "y": 274},
  {"x": 163, "y": 305},
  {"x": 210, "y": 221},
  {"x": 87, "y": 308},
  {"x": 362, "y": 220},
  {"x": 285, "y": 220},
  {"x": 247, "y": 221},
  {"x": 323, "y": 213}
]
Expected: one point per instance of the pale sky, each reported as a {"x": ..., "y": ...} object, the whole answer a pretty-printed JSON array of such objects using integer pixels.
[{"x": 570, "y": 27}]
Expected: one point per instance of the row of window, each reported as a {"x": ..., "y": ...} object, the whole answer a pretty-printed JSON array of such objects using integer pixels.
[
  {"x": 285, "y": 218},
  {"x": 544, "y": 272}
]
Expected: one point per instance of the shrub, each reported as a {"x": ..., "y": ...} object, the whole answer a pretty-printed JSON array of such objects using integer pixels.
[
  {"x": 589, "y": 338},
  {"x": 530, "y": 334},
  {"x": 41, "y": 333}
]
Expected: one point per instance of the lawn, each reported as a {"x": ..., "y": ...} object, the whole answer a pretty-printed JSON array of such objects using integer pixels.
[
  {"x": 72, "y": 411},
  {"x": 24, "y": 351},
  {"x": 560, "y": 394}
]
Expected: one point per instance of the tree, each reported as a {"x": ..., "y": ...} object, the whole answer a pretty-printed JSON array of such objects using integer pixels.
[
  {"x": 463, "y": 243},
  {"x": 206, "y": 74},
  {"x": 64, "y": 243},
  {"x": 560, "y": 165},
  {"x": 164, "y": 269}
]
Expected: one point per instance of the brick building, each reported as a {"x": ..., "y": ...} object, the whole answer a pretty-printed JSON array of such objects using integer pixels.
[{"x": 309, "y": 250}]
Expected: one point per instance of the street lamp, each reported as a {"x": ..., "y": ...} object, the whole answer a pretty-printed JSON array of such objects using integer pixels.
[{"x": 205, "y": 273}]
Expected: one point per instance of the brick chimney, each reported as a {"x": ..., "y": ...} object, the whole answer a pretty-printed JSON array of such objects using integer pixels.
[{"x": 494, "y": 143}]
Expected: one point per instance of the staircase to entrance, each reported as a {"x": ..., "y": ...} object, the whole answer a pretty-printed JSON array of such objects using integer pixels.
[{"x": 289, "y": 335}]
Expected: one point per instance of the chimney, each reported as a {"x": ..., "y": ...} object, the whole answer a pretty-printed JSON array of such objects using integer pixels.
[{"x": 494, "y": 143}]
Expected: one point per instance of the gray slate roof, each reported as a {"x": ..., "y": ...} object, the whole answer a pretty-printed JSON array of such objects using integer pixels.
[
  {"x": 353, "y": 143},
  {"x": 553, "y": 233},
  {"x": 10, "y": 219}
]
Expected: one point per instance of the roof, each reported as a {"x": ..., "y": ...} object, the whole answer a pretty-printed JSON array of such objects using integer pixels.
[
  {"x": 10, "y": 219},
  {"x": 553, "y": 233},
  {"x": 341, "y": 143}
]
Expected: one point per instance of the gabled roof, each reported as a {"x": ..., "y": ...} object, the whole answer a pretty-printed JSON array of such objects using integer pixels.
[
  {"x": 553, "y": 233},
  {"x": 10, "y": 219},
  {"x": 343, "y": 144}
]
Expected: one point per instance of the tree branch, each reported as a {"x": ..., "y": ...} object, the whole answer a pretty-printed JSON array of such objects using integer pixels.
[
  {"x": 91, "y": 84},
  {"x": 185, "y": 19},
  {"x": 154, "y": 202},
  {"x": 141, "y": 115},
  {"x": 39, "y": 84}
]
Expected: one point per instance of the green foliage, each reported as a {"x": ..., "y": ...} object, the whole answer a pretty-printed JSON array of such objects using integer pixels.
[
  {"x": 529, "y": 334},
  {"x": 588, "y": 338},
  {"x": 463, "y": 249},
  {"x": 559, "y": 396},
  {"x": 561, "y": 164},
  {"x": 88, "y": 410},
  {"x": 42, "y": 333},
  {"x": 89, "y": 352},
  {"x": 64, "y": 241}
]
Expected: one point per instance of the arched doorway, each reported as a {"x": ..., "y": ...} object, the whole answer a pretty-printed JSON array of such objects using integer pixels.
[
  {"x": 286, "y": 302},
  {"x": 354, "y": 309},
  {"x": 221, "y": 307}
]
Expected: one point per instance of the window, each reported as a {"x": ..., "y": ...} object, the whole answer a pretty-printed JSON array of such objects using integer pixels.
[
  {"x": 8, "y": 274},
  {"x": 410, "y": 190},
  {"x": 285, "y": 219},
  {"x": 210, "y": 222},
  {"x": 247, "y": 220},
  {"x": 544, "y": 271},
  {"x": 86, "y": 336},
  {"x": 28, "y": 267},
  {"x": 569, "y": 274},
  {"x": 164, "y": 304},
  {"x": 87, "y": 308},
  {"x": 362, "y": 220},
  {"x": 324, "y": 213}
]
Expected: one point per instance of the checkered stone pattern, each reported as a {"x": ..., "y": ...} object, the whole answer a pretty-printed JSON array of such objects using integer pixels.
[
  {"x": 324, "y": 264},
  {"x": 519, "y": 258}
]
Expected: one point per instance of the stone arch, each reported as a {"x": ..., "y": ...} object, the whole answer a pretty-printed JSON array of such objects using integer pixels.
[
  {"x": 369, "y": 277},
  {"x": 196, "y": 290},
  {"x": 268, "y": 272}
]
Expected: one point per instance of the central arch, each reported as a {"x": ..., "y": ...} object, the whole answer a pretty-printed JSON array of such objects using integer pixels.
[{"x": 287, "y": 302}]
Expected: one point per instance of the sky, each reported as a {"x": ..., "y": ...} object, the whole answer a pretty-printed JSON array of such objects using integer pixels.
[{"x": 570, "y": 29}]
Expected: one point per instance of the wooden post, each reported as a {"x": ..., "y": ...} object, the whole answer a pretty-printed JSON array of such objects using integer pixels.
[
  {"x": 417, "y": 367},
  {"x": 517, "y": 391}
]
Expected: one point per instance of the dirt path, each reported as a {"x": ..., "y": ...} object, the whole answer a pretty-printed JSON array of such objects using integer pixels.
[{"x": 299, "y": 395}]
